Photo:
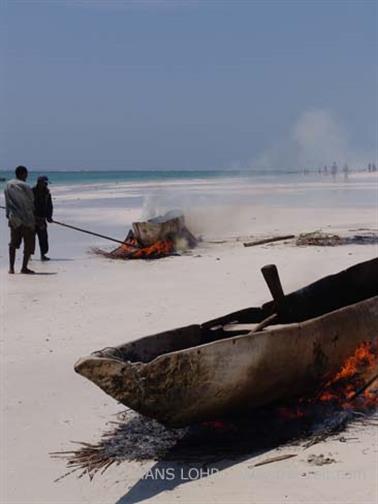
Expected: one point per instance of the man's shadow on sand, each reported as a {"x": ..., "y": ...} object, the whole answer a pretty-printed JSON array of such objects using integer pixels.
[
  {"x": 44, "y": 273},
  {"x": 52, "y": 260},
  {"x": 60, "y": 259}
]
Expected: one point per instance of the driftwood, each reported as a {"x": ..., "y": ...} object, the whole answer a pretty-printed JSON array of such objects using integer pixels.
[
  {"x": 268, "y": 240},
  {"x": 217, "y": 242},
  {"x": 275, "y": 459}
]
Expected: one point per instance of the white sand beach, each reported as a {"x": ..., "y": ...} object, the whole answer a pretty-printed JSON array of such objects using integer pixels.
[{"x": 82, "y": 302}]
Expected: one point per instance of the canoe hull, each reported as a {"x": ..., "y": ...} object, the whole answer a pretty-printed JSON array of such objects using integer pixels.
[{"x": 243, "y": 372}]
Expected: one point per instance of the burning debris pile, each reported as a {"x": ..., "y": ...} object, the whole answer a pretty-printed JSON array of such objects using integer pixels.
[
  {"x": 351, "y": 395},
  {"x": 155, "y": 238}
]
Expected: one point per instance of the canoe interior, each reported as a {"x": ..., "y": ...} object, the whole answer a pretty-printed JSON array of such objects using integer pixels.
[{"x": 328, "y": 294}]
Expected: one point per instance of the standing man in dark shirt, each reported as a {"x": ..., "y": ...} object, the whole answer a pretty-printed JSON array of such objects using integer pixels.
[{"x": 43, "y": 214}]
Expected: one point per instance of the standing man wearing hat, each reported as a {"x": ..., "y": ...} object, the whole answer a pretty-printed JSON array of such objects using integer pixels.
[{"x": 43, "y": 214}]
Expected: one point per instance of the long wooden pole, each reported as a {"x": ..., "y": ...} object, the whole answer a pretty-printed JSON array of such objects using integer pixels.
[
  {"x": 88, "y": 232},
  {"x": 83, "y": 230}
]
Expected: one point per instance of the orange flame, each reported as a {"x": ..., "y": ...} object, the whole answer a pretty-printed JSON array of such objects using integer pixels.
[
  {"x": 352, "y": 376},
  {"x": 132, "y": 250},
  {"x": 364, "y": 357},
  {"x": 343, "y": 389}
]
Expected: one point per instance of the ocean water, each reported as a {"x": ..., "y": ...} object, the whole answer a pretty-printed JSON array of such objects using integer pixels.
[
  {"x": 109, "y": 176},
  {"x": 131, "y": 188}
]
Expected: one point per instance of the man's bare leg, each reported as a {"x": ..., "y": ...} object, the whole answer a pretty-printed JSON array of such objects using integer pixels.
[
  {"x": 25, "y": 268},
  {"x": 12, "y": 259}
]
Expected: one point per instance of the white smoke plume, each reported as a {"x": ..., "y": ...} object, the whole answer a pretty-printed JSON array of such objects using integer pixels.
[{"x": 317, "y": 138}]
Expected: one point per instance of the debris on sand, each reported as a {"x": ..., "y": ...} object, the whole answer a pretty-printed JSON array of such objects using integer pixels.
[
  {"x": 320, "y": 460},
  {"x": 279, "y": 458},
  {"x": 318, "y": 238},
  {"x": 132, "y": 437},
  {"x": 322, "y": 239}
]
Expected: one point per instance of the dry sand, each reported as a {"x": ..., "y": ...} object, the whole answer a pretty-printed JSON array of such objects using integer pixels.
[{"x": 83, "y": 303}]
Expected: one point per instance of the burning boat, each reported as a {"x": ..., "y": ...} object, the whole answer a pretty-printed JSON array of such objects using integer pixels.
[
  {"x": 158, "y": 237},
  {"x": 247, "y": 359}
]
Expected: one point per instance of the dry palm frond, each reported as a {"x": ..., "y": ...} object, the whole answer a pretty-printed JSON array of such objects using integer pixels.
[{"x": 131, "y": 438}]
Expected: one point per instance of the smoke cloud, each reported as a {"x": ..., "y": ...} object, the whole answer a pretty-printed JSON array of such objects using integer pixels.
[{"x": 317, "y": 138}]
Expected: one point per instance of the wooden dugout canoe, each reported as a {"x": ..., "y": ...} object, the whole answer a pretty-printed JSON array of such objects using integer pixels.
[{"x": 204, "y": 371}]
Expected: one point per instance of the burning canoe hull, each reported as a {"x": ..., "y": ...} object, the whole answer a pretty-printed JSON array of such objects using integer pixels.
[
  {"x": 179, "y": 377},
  {"x": 158, "y": 229},
  {"x": 247, "y": 371},
  {"x": 155, "y": 238}
]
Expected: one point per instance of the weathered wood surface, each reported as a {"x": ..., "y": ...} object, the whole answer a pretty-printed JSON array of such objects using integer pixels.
[
  {"x": 268, "y": 240},
  {"x": 201, "y": 372},
  {"x": 247, "y": 371},
  {"x": 154, "y": 230},
  {"x": 278, "y": 458},
  {"x": 240, "y": 328}
]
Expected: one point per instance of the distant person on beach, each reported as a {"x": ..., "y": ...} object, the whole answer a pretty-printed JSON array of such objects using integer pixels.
[
  {"x": 19, "y": 201},
  {"x": 346, "y": 171},
  {"x": 43, "y": 214}
]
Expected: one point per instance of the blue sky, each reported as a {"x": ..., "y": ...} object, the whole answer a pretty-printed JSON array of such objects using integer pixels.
[{"x": 180, "y": 84}]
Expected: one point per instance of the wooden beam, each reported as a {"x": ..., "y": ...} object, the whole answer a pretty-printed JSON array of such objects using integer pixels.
[{"x": 268, "y": 240}]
